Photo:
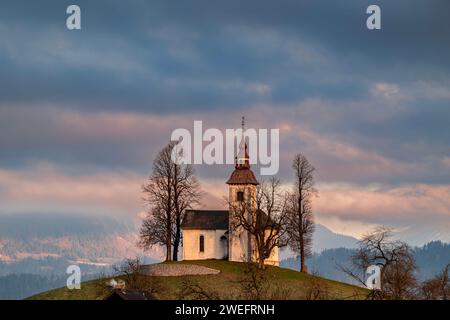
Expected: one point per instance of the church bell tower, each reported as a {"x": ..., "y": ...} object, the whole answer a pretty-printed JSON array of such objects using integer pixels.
[{"x": 242, "y": 189}]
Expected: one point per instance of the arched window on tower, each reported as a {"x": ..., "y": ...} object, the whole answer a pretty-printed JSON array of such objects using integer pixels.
[
  {"x": 240, "y": 196},
  {"x": 202, "y": 243}
]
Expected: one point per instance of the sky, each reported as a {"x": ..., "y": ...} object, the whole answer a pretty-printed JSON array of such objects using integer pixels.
[{"x": 83, "y": 113}]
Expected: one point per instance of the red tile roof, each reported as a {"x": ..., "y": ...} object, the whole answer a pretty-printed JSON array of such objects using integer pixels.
[{"x": 243, "y": 176}]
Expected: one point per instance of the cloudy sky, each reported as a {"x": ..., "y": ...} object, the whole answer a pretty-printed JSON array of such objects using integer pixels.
[{"x": 83, "y": 113}]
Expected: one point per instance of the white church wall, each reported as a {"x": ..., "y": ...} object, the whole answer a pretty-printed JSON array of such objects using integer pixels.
[
  {"x": 273, "y": 260},
  {"x": 239, "y": 244},
  {"x": 214, "y": 247}
]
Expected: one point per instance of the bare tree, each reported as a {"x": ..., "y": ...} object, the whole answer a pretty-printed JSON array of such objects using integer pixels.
[
  {"x": 300, "y": 223},
  {"x": 170, "y": 190},
  {"x": 186, "y": 194},
  {"x": 157, "y": 228},
  {"x": 263, "y": 217},
  {"x": 191, "y": 289},
  {"x": 437, "y": 288},
  {"x": 132, "y": 272},
  {"x": 254, "y": 283},
  {"x": 317, "y": 288},
  {"x": 260, "y": 284},
  {"x": 155, "y": 231},
  {"x": 395, "y": 259}
]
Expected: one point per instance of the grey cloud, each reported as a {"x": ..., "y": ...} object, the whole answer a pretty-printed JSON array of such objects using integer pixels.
[
  {"x": 208, "y": 57},
  {"x": 184, "y": 55}
]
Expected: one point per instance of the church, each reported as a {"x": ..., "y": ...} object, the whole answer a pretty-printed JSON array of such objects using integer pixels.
[{"x": 207, "y": 234}]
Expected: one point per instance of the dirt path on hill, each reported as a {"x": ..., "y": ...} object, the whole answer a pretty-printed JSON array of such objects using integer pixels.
[{"x": 170, "y": 270}]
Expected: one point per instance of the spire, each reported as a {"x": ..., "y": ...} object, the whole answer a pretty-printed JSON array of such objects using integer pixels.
[
  {"x": 242, "y": 175},
  {"x": 242, "y": 159}
]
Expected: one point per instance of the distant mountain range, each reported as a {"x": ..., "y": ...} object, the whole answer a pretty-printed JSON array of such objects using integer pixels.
[
  {"x": 415, "y": 236},
  {"x": 430, "y": 259},
  {"x": 419, "y": 235},
  {"x": 324, "y": 239},
  {"x": 76, "y": 239},
  {"x": 36, "y": 249}
]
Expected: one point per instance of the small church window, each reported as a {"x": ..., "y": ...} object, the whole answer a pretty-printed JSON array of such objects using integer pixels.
[
  {"x": 240, "y": 196},
  {"x": 202, "y": 243}
]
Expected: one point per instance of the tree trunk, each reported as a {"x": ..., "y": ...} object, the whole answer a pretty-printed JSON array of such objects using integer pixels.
[
  {"x": 261, "y": 257},
  {"x": 169, "y": 239},
  {"x": 301, "y": 231},
  {"x": 261, "y": 264},
  {"x": 168, "y": 251},
  {"x": 302, "y": 249},
  {"x": 302, "y": 257},
  {"x": 176, "y": 242}
]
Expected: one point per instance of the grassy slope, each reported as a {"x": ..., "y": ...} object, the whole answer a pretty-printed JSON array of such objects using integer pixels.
[{"x": 225, "y": 284}]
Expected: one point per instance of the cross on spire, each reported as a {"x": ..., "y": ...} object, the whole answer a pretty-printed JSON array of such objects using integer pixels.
[{"x": 242, "y": 159}]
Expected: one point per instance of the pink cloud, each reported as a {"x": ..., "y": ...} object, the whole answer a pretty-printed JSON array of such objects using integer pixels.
[
  {"x": 45, "y": 187},
  {"x": 343, "y": 167},
  {"x": 406, "y": 204},
  {"x": 336, "y": 157}
]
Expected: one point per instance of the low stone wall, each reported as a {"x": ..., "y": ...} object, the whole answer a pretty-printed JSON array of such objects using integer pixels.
[{"x": 171, "y": 270}]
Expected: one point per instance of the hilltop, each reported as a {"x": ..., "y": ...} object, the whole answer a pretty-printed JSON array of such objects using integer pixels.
[{"x": 283, "y": 283}]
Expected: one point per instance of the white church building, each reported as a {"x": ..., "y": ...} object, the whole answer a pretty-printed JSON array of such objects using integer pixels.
[{"x": 207, "y": 234}]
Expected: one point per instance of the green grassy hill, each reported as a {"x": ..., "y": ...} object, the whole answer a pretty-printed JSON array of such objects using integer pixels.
[{"x": 280, "y": 283}]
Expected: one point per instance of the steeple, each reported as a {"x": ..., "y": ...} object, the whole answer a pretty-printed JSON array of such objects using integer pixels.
[
  {"x": 243, "y": 159},
  {"x": 242, "y": 173}
]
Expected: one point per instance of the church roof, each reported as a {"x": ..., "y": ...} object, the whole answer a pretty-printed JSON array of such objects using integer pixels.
[
  {"x": 243, "y": 176},
  {"x": 205, "y": 220},
  {"x": 266, "y": 220},
  {"x": 214, "y": 220},
  {"x": 242, "y": 173}
]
